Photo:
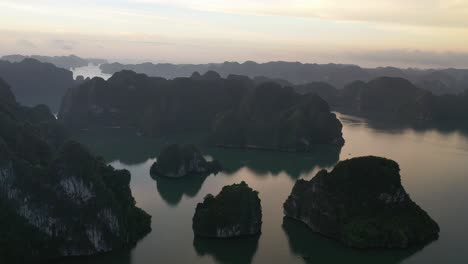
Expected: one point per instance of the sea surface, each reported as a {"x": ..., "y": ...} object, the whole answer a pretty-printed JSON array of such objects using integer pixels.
[{"x": 434, "y": 169}]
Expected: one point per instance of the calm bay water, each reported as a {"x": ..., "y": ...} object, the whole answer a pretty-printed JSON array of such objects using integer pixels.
[{"x": 434, "y": 169}]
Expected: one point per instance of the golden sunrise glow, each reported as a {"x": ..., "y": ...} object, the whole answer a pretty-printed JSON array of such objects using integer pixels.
[{"x": 181, "y": 30}]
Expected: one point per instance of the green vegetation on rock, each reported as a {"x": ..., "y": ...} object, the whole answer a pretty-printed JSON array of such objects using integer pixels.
[
  {"x": 361, "y": 203},
  {"x": 395, "y": 99},
  {"x": 235, "y": 111},
  {"x": 58, "y": 200},
  {"x": 236, "y": 211},
  {"x": 177, "y": 161},
  {"x": 277, "y": 118}
]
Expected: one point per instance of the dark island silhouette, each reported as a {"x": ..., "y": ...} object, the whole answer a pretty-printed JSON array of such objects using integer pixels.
[
  {"x": 438, "y": 81},
  {"x": 181, "y": 161},
  {"x": 279, "y": 118},
  {"x": 362, "y": 204},
  {"x": 397, "y": 100},
  {"x": 275, "y": 118},
  {"x": 235, "y": 212},
  {"x": 181, "y": 170},
  {"x": 33, "y": 82}
]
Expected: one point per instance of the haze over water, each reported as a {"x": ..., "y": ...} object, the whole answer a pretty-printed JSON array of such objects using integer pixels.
[{"x": 433, "y": 168}]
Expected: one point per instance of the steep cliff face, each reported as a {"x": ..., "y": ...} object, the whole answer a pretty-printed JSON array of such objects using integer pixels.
[
  {"x": 6, "y": 96},
  {"x": 234, "y": 212},
  {"x": 58, "y": 199},
  {"x": 277, "y": 118},
  {"x": 177, "y": 161},
  {"x": 361, "y": 203}
]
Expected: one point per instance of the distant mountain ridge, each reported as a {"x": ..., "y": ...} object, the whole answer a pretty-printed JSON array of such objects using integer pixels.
[
  {"x": 66, "y": 62},
  {"x": 438, "y": 81},
  {"x": 34, "y": 82}
]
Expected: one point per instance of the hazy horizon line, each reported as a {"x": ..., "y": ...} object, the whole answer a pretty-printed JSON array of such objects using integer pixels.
[{"x": 155, "y": 62}]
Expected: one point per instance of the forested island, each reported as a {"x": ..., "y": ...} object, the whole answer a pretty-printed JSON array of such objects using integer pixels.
[
  {"x": 178, "y": 161},
  {"x": 394, "y": 99},
  {"x": 57, "y": 199},
  {"x": 233, "y": 132},
  {"x": 235, "y": 212},
  {"x": 233, "y": 111},
  {"x": 362, "y": 204}
]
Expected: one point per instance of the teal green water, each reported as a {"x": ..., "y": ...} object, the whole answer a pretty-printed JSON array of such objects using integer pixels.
[{"x": 434, "y": 168}]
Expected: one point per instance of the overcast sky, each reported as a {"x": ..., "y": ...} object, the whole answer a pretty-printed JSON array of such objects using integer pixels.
[{"x": 422, "y": 33}]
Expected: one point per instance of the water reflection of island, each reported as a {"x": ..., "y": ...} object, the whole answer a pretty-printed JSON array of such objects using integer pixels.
[
  {"x": 129, "y": 148},
  {"x": 126, "y": 145},
  {"x": 172, "y": 190},
  {"x": 116, "y": 257},
  {"x": 315, "y": 248},
  {"x": 398, "y": 126},
  {"x": 271, "y": 162},
  {"x": 228, "y": 251},
  {"x": 260, "y": 162}
]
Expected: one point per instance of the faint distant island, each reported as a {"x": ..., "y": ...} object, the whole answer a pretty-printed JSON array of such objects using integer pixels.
[
  {"x": 233, "y": 111},
  {"x": 34, "y": 82},
  {"x": 66, "y": 62},
  {"x": 438, "y": 81},
  {"x": 394, "y": 99}
]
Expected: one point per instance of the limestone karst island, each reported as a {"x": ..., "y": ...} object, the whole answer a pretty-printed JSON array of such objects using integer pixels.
[{"x": 233, "y": 132}]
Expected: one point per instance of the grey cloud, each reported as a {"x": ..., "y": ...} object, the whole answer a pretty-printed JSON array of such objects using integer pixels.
[
  {"x": 63, "y": 44},
  {"x": 25, "y": 43}
]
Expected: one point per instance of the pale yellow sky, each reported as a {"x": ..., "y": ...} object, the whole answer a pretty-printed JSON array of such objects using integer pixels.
[{"x": 414, "y": 33}]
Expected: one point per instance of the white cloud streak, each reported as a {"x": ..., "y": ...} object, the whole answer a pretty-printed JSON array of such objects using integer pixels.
[{"x": 437, "y": 13}]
